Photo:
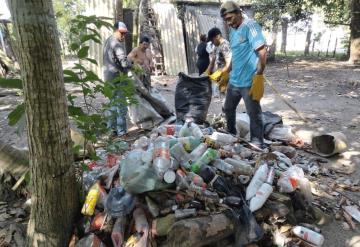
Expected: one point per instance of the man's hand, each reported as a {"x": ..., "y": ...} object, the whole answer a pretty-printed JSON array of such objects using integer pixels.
[{"x": 257, "y": 88}]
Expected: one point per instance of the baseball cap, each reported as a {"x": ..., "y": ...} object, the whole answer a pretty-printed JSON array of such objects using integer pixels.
[
  {"x": 121, "y": 27},
  {"x": 228, "y": 7}
]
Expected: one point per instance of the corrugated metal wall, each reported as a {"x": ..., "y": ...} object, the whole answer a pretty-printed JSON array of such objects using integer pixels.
[
  {"x": 199, "y": 19},
  {"x": 103, "y": 8},
  {"x": 172, "y": 38}
]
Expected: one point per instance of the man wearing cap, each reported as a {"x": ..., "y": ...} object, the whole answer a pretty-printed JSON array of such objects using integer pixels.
[
  {"x": 142, "y": 56},
  {"x": 114, "y": 63},
  {"x": 220, "y": 59},
  {"x": 246, "y": 77}
]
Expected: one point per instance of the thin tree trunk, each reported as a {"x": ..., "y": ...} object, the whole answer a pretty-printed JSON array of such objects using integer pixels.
[
  {"x": 355, "y": 32},
  {"x": 284, "y": 27},
  {"x": 54, "y": 196},
  {"x": 334, "y": 52},
  {"x": 328, "y": 45},
  {"x": 308, "y": 41},
  {"x": 313, "y": 46},
  {"x": 119, "y": 11},
  {"x": 272, "y": 49}
]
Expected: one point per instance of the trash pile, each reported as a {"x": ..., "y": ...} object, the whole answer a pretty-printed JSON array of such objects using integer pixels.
[{"x": 183, "y": 185}]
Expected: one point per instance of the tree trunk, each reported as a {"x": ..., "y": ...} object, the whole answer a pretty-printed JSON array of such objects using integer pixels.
[
  {"x": 284, "y": 27},
  {"x": 355, "y": 32},
  {"x": 308, "y": 41},
  {"x": 119, "y": 16},
  {"x": 54, "y": 196},
  {"x": 272, "y": 49},
  {"x": 328, "y": 45}
]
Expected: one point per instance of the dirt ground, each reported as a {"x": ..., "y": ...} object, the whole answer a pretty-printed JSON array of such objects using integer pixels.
[{"x": 327, "y": 93}]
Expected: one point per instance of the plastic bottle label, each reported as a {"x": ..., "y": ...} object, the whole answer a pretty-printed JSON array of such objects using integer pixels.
[
  {"x": 162, "y": 152},
  {"x": 170, "y": 130}
]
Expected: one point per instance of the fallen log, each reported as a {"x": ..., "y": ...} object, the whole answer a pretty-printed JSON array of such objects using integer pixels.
[{"x": 200, "y": 231}]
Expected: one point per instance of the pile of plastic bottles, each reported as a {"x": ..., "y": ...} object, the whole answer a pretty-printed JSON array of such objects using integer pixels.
[{"x": 173, "y": 174}]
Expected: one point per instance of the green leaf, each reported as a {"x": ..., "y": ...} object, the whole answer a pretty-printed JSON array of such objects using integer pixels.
[
  {"x": 71, "y": 98},
  {"x": 74, "y": 46},
  {"x": 72, "y": 76},
  {"x": 16, "y": 114},
  {"x": 89, "y": 37},
  {"x": 93, "y": 61},
  {"x": 75, "y": 111},
  {"x": 11, "y": 83},
  {"x": 83, "y": 52},
  {"x": 91, "y": 76}
]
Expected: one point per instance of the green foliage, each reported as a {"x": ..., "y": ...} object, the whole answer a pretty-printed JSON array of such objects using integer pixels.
[
  {"x": 11, "y": 83},
  {"x": 336, "y": 11},
  {"x": 89, "y": 120}
]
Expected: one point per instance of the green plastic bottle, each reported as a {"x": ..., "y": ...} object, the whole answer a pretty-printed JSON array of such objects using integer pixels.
[{"x": 209, "y": 155}]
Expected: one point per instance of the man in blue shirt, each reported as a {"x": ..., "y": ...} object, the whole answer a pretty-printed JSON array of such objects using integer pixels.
[{"x": 246, "y": 77}]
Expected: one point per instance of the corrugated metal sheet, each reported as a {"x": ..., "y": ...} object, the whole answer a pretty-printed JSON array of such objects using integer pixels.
[
  {"x": 172, "y": 38},
  {"x": 199, "y": 19},
  {"x": 103, "y": 8}
]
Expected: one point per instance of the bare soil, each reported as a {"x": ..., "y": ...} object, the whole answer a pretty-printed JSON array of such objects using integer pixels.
[{"x": 327, "y": 93}]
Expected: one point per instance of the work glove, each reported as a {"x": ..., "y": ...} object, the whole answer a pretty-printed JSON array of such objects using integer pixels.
[
  {"x": 215, "y": 76},
  {"x": 257, "y": 88}
]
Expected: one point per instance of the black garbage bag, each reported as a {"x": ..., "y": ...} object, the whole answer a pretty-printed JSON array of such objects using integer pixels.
[{"x": 192, "y": 98}]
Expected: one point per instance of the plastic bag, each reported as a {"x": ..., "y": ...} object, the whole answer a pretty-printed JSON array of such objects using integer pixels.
[
  {"x": 289, "y": 180},
  {"x": 136, "y": 177},
  {"x": 282, "y": 133},
  {"x": 143, "y": 114},
  {"x": 242, "y": 124},
  {"x": 192, "y": 98}
]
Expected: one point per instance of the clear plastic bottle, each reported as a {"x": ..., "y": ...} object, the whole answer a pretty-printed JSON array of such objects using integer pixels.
[
  {"x": 169, "y": 176},
  {"x": 196, "y": 130},
  {"x": 119, "y": 203},
  {"x": 223, "y": 137},
  {"x": 308, "y": 235},
  {"x": 290, "y": 179},
  {"x": 260, "y": 197},
  {"x": 241, "y": 167},
  {"x": 141, "y": 223},
  {"x": 91, "y": 199},
  {"x": 181, "y": 180},
  {"x": 190, "y": 143},
  {"x": 223, "y": 166},
  {"x": 185, "y": 213},
  {"x": 258, "y": 179},
  {"x": 206, "y": 158},
  {"x": 263, "y": 192},
  {"x": 172, "y": 130},
  {"x": 185, "y": 130},
  {"x": 161, "y": 157},
  {"x": 196, "y": 179},
  {"x": 141, "y": 143},
  {"x": 198, "y": 151},
  {"x": 208, "y": 131},
  {"x": 117, "y": 234},
  {"x": 203, "y": 191},
  {"x": 179, "y": 153}
]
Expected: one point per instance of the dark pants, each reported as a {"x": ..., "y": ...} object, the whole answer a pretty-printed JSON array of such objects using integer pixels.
[{"x": 253, "y": 109}]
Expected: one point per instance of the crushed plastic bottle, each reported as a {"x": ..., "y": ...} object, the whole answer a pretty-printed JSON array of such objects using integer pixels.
[
  {"x": 118, "y": 231},
  {"x": 258, "y": 179},
  {"x": 206, "y": 158},
  {"x": 185, "y": 130},
  {"x": 289, "y": 180},
  {"x": 185, "y": 213},
  {"x": 91, "y": 200},
  {"x": 240, "y": 167},
  {"x": 119, "y": 203},
  {"x": 196, "y": 179},
  {"x": 260, "y": 197},
  {"x": 198, "y": 151},
  {"x": 308, "y": 235},
  {"x": 181, "y": 180},
  {"x": 223, "y": 166},
  {"x": 141, "y": 143},
  {"x": 223, "y": 138},
  {"x": 179, "y": 153},
  {"x": 196, "y": 130},
  {"x": 161, "y": 157},
  {"x": 169, "y": 130}
]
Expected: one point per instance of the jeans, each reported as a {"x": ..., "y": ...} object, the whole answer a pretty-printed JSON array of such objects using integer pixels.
[
  {"x": 117, "y": 114},
  {"x": 253, "y": 109}
]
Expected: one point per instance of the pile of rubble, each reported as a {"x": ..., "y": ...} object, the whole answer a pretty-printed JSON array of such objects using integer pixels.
[{"x": 183, "y": 185}]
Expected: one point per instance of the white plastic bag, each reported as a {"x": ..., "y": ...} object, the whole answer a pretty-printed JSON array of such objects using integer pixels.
[{"x": 282, "y": 133}]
